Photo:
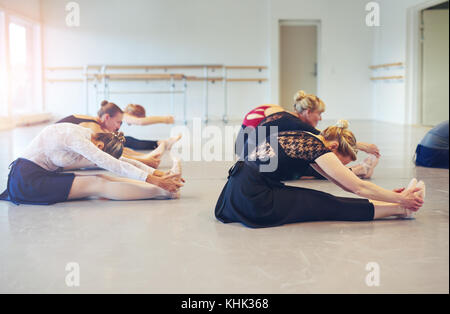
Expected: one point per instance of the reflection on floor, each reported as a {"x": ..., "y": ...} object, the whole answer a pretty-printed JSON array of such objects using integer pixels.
[{"x": 179, "y": 247}]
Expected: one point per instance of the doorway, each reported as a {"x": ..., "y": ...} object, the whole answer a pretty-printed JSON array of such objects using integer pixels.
[
  {"x": 434, "y": 64},
  {"x": 299, "y": 64}
]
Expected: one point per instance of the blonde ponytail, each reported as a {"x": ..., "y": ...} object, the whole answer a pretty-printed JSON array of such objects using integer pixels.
[{"x": 346, "y": 139}]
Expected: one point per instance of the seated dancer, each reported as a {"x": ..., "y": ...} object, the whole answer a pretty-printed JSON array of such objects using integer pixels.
[
  {"x": 308, "y": 113},
  {"x": 255, "y": 196},
  {"x": 109, "y": 119},
  {"x": 136, "y": 115},
  {"x": 432, "y": 151},
  {"x": 35, "y": 178}
]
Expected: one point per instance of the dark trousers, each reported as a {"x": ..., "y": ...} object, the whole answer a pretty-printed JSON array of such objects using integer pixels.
[{"x": 136, "y": 144}]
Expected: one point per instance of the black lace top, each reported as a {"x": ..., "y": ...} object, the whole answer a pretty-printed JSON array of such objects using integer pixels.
[{"x": 286, "y": 154}]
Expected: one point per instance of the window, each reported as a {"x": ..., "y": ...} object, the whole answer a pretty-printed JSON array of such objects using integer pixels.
[
  {"x": 20, "y": 69},
  {"x": 20, "y": 66}
]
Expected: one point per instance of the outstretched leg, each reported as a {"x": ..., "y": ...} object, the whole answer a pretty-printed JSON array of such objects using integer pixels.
[
  {"x": 118, "y": 189},
  {"x": 383, "y": 210}
]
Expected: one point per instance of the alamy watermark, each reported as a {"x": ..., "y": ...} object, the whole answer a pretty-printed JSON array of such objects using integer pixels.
[
  {"x": 73, "y": 275},
  {"x": 373, "y": 17},
  {"x": 231, "y": 143},
  {"x": 73, "y": 16},
  {"x": 373, "y": 277}
]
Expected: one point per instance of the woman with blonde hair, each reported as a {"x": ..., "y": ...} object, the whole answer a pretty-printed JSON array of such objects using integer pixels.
[
  {"x": 36, "y": 177},
  {"x": 255, "y": 196},
  {"x": 308, "y": 110}
]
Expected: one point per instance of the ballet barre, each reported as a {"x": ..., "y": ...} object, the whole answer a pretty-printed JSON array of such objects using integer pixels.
[
  {"x": 383, "y": 78},
  {"x": 102, "y": 75},
  {"x": 105, "y": 78},
  {"x": 387, "y": 65}
]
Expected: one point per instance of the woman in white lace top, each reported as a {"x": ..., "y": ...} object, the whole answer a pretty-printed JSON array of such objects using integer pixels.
[{"x": 35, "y": 178}]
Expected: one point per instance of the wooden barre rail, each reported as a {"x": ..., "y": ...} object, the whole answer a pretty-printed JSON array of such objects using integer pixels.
[
  {"x": 197, "y": 78},
  {"x": 55, "y": 80},
  {"x": 159, "y": 67},
  {"x": 64, "y": 69},
  {"x": 398, "y": 77},
  {"x": 140, "y": 76},
  {"x": 247, "y": 80},
  {"x": 246, "y": 67},
  {"x": 156, "y": 67},
  {"x": 387, "y": 65},
  {"x": 145, "y": 77}
]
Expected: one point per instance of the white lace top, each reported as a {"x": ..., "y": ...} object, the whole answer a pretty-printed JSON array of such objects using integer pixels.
[{"x": 69, "y": 146}]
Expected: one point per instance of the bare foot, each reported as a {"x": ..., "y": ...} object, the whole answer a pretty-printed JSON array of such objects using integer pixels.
[
  {"x": 159, "y": 151},
  {"x": 169, "y": 142}
]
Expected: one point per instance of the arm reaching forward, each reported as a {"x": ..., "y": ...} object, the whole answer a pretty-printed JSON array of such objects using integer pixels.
[{"x": 333, "y": 169}]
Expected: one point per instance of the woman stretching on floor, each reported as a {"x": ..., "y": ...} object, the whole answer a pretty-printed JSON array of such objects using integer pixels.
[
  {"x": 35, "y": 178},
  {"x": 308, "y": 113},
  {"x": 255, "y": 196},
  {"x": 136, "y": 115},
  {"x": 109, "y": 119}
]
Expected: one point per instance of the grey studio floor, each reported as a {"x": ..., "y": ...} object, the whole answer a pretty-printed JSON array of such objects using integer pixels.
[{"x": 177, "y": 246}]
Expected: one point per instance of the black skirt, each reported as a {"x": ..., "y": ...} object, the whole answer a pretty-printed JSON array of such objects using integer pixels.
[
  {"x": 257, "y": 202},
  {"x": 31, "y": 184}
]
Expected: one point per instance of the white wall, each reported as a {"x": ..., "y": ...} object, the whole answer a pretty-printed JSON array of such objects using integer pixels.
[
  {"x": 345, "y": 53},
  {"x": 395, "y": 101},
  {"x": 232, "y": 32}
]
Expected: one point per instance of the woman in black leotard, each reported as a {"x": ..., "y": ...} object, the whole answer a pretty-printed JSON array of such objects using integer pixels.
[
  {"x": 255, "y": 196},
  {"x": 110, "y": 118},
  {"x": 131, "y": 142},
  {"x": 308, "y": 111}
]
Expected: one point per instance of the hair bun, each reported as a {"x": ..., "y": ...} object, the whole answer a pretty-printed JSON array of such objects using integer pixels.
[
  {"x": 343, "y": 124},
  {"x": 299, "y": 96},
  {"x": 120, "y": 136},
  {"x": 104, "y": 103}
]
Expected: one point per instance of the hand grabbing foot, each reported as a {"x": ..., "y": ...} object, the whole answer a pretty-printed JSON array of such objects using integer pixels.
[{"x": 414, "y": 185}]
